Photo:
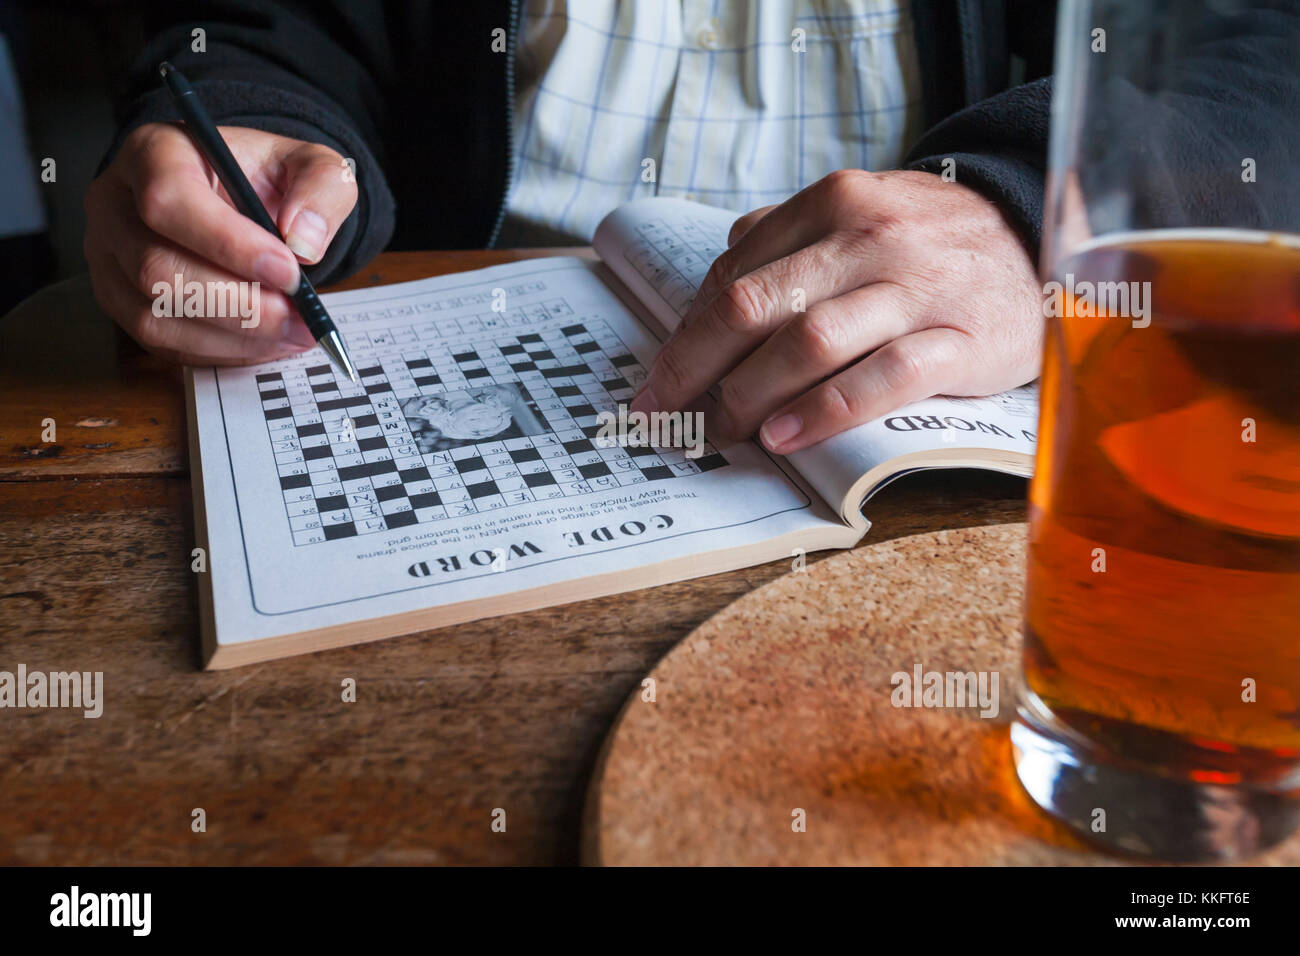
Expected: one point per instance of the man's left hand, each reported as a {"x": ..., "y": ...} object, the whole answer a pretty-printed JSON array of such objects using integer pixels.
[{"x": 910, "y": 286}]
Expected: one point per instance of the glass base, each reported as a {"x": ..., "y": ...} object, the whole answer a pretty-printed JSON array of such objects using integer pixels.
[{"x": 1167, "y": 810}]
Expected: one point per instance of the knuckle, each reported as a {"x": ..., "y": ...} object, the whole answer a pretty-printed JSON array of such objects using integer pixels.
[
  {"x": 816, "y": 337},
  {"x": 717, "y": 276},
  {"x": 738, "y": 228},
  {"x": 835, "y": 404},
  {"x": 722, "y": 267},
  {"x": 734, "y": 399},
  {"x": 140, "y": 141},
  {"x": 154, "y": 331},
  {"x": 903, "y": 365},
  {"x": 155, "y": 202},
  {"x": 157, "y": 265},
  {"x": 135, "y": 139},
  {"x": 671, "y": 371},
  {"x": 739, "y": 307},
  {"x": 846, "y": 185}
]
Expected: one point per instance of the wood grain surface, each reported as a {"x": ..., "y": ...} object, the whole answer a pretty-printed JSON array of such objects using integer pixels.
[
  {"x": 448, "y": 726},
  {"x": 782, "y": 705}
]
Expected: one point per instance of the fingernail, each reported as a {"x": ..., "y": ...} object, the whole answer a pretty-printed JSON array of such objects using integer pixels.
[
  {"x": 277, "y": 270},
  {"x": 307, "y": 235},
  {"x": 777, "y": 431},
  {"x": 297, "y": 335},
  {"x": 645, "y": 401}
]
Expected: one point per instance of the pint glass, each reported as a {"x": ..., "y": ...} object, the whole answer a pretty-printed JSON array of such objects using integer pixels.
[{"x": 1162, "y": 620}]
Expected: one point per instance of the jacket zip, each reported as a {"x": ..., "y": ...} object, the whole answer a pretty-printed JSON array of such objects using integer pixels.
[
  {"x": 968, "y": 21},
  {"x": 512, "y": 29}
]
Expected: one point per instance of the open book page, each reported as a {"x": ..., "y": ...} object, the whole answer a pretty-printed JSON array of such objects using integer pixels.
[
  {"x": 661, "y": 249},
  {"x": 995, "y": 432},
  {"x": 463, "y": 466}
]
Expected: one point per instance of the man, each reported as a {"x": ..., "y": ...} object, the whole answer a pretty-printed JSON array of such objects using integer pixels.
[{"x": 488, "y": 121}]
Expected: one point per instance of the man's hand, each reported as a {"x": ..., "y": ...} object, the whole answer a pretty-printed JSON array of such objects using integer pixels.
[
  {"x": 911, "y": 287},
  {"x": 158, "y": 211}
]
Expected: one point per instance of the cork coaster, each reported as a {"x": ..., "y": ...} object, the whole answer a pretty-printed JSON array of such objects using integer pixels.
[{"x": 779, "y": 709}]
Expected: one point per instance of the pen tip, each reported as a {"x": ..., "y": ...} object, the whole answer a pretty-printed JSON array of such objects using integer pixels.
[
  {"x": 164, "y": 68},
  {"x": 332, "y": 344}
]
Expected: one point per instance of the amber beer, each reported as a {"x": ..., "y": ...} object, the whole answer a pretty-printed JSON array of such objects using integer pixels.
[{"x": 1163, "y": 603}]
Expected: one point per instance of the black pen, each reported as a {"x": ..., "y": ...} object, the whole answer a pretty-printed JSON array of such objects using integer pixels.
[{"x": 217, "y": 153}]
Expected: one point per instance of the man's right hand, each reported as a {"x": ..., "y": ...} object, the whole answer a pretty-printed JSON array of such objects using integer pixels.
[{"x": 158, "y": 211}]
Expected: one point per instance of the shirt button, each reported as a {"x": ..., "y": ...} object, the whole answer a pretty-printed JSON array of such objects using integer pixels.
[{"x": 707, "y": 36}]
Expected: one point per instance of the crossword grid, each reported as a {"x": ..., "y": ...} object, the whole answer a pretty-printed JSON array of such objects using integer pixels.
[
  {"x": 674, "y": 260},
  {"x": 349, "y": 464}
]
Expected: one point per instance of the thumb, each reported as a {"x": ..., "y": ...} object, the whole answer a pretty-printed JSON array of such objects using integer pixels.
[{"x": 321, "y": 191}]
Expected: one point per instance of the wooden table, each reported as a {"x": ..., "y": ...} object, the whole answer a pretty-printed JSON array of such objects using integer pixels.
[{"x": 95, "y": 536}]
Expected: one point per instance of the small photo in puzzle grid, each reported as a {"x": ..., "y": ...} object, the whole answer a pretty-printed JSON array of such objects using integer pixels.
[{"x": 457, "y": 418}]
